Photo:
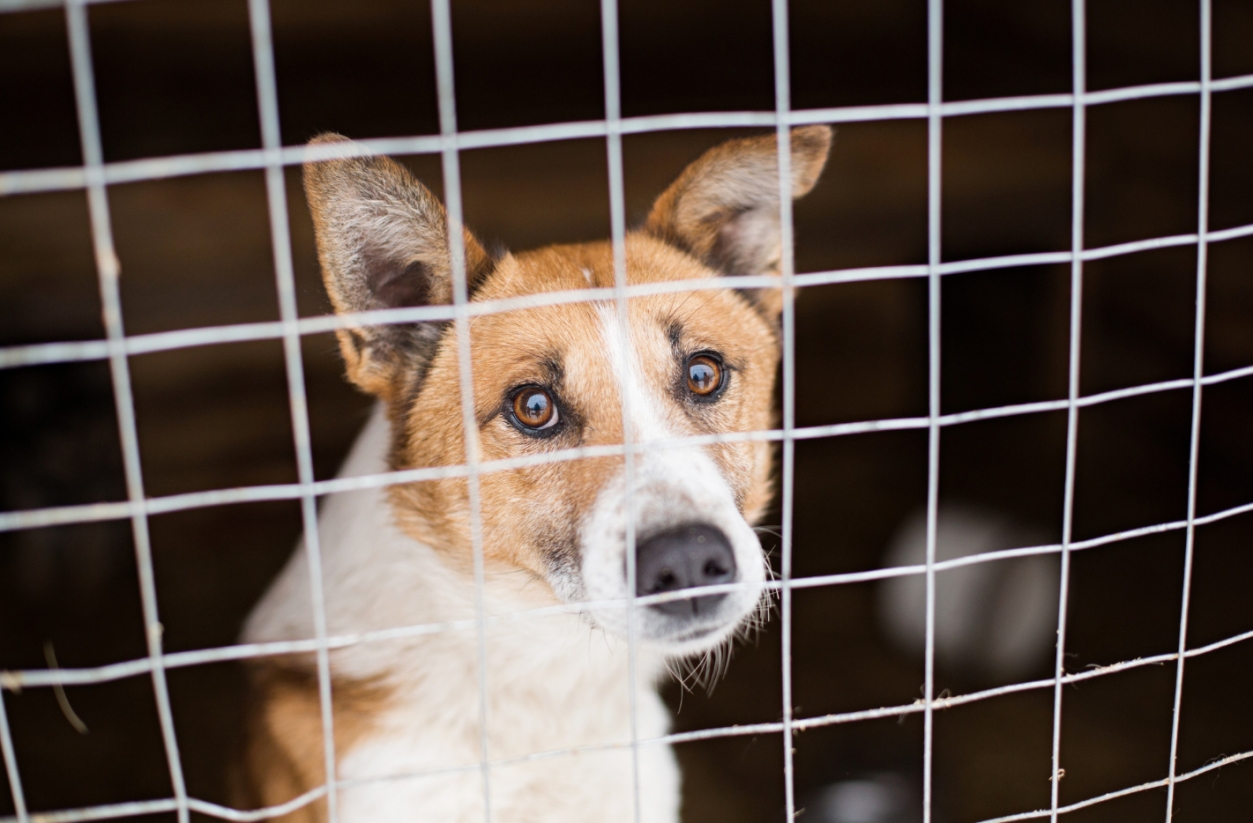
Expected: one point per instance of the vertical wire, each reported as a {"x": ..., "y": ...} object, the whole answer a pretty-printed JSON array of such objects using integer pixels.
[
  {"x": 109, "y": 270},
  {"x": 617, "y": 221},
  {"x": 10, "y": 764},
  {"x": 441, "y": 18},
  {"x": 1078, "y": 132},
  {"x": 935, "y": 125},
  {"x": 783, "y": 137},
  {"x": 280, "y": 242},
  {"x": 1198, "y": 371}
]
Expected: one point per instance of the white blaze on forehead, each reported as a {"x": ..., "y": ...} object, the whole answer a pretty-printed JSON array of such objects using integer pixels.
[{"x": 642, "y": 401}]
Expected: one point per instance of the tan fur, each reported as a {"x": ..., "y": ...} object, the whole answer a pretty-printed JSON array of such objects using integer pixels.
[{"x": 284, "y": 754}]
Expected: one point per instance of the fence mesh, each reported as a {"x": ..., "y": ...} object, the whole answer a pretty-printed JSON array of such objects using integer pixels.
[{"x": 95, "y": 175}]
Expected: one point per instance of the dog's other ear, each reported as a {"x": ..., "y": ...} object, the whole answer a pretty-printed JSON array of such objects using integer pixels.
[
  {"x": 724, "y": 208},
  {"x": 383, "y": 243}
]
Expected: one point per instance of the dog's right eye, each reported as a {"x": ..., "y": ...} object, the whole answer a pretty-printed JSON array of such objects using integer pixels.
[{"x": 533, "y": 410}]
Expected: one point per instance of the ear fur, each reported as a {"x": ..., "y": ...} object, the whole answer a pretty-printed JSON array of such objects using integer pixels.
[
  {"x": 382, "y": 241},
  {"x": 724, "y": 207}
]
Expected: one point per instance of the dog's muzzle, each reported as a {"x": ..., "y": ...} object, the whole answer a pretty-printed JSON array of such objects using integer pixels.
[{"x": 688, "y": 536}]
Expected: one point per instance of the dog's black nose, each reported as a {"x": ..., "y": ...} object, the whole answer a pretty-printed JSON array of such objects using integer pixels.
[{"x": 684, "y": 558}]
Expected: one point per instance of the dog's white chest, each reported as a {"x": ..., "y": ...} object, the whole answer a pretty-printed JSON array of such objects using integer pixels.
[
  {"x": 595, "y": 781},
  {"x": 553, "y": 683}
]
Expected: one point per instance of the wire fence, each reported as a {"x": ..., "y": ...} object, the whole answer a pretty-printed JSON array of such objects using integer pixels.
[{"x": 95, "y": 175}]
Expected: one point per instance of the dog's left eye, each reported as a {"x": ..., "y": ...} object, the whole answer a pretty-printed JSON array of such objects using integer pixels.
[
  {"x": 533, "y": 409},
  {"x": 706, "y": 375}
]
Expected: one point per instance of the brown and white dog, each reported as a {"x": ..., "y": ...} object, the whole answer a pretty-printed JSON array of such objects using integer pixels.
[{"x": 544, "y": 379}]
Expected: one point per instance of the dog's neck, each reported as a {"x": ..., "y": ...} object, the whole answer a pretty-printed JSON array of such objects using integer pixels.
[{"x": 376, "y": 579}]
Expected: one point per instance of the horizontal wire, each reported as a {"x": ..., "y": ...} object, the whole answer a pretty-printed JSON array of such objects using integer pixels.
[
  {"x": 226, "y": 813},
  {"x": 88, "y": 350},
  {"x": 156, "y": 168},
  {"x": 98, "y": 512},
  {"x": 1143, "y": 787},
  {"x": 17, "y": 680},
  {"x": 670, "y": 739},
  {"x": 108, "y": 811},
  {"x": 48, "y": 353}
]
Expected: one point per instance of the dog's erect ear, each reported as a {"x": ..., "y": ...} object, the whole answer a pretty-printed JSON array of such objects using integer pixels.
[
  {"x": 724, "y": 208},
  {"x": 383, "y": 244}
]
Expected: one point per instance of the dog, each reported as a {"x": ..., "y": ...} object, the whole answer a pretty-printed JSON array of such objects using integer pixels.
[{"x": 411, "y": 726}]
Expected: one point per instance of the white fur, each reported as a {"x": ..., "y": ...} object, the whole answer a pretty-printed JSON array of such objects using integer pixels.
[{"x": 552, "y": 683}]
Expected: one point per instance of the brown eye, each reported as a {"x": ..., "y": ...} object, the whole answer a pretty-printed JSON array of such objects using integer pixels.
[
  {"x": 704, "y": 375},
  {"x": 534, "y": 408}
]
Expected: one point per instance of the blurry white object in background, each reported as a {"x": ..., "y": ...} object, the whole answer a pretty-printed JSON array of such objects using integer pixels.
[
  {"x": 998, "y": 617},
  {"x": 876, "y": 798}
]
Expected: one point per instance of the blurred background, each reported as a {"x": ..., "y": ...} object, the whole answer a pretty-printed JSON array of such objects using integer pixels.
[{"x": 175, "y": 76}]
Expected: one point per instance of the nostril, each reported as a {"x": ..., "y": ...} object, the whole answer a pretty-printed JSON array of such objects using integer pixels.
[{"x": 683, "y": 558}]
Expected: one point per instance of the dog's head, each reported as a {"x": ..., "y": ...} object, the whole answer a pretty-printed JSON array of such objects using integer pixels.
[{"x": 559, "y": 377}]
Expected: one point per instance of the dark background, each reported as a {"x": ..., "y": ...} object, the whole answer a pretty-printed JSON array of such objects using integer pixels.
[{"x": 175, "y": 76}]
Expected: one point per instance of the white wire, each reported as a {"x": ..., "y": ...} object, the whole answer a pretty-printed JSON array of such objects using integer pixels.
[
  {"x": 1079, "y": 79},
  {"x": 787, "y": 270},
  {"x": 1198, "y": 371},
  {"x": 67, "y": 352},
  {"x": 617, "y": 228},
  {"x": 10, "y": 765},
  {"x": 441, "y": 19},
  {"x": 280, "y": 242},
  {"x": 54, "y": 179},
  {"x": 35, "y": 678},
  {"x": 214, "y": 810},
  {"x": 935, "y": 123},
  {"x": 1078, "y": 137},
  {"x": 95, "y": 512},
  {"x": 109, "y": 270},
  {"x": 1156, "y": 784}
]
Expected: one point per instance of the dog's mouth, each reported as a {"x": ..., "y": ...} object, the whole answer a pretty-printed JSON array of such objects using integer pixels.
[
  {"x": 692, "y": 635},
  {"x": 685, "y": 636},
  {"x": 697, "y": 634}
]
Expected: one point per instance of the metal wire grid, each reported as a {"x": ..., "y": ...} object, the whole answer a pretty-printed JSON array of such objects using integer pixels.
[{"x": 94, "y": 175}]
